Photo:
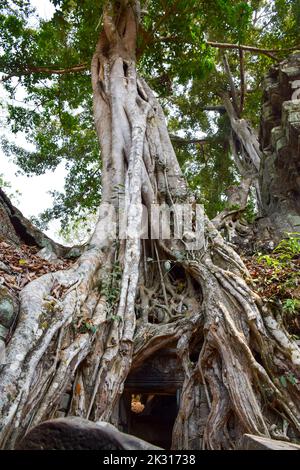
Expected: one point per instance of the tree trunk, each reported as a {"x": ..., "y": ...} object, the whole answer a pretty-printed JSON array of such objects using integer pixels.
[{"x": 84, "y": 329}]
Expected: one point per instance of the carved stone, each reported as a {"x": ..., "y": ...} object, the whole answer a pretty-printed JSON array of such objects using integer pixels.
[
  {"x": 280, "y": 144},
  {"x": 160, "y": 374},
  {"x": 80, "y": 434}
]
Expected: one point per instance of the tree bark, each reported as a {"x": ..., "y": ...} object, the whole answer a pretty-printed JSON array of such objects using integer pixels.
[{"x": 119, "y": 304}]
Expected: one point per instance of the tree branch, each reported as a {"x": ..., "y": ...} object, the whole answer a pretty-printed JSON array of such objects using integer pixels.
[
  {"x": 109, "y": 24},
  {"x": 31, "y": 69},
  {"x": 258, "y": 50},
  {"x": 217, "y": 108},
  {"x": 183, "y": 141},
  {"x": 231, "y": 83},
  {"x": 242, "y": 81}
]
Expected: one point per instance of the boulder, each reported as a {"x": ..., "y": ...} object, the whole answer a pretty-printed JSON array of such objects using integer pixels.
[
  {"x": 9, "y": 307},
  {"x": 252, "y": 442},
  {"x": 74, "y": 433},
  {"x": 2, "y": 352}
]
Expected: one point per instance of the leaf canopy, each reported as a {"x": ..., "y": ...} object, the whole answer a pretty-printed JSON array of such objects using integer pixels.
[{"x": 46, "y": 62}]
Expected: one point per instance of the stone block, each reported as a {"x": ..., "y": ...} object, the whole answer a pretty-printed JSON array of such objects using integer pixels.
[
  {"x": 2, "y": 352},
  {"x": 7, "y": 310},
  {"x": 292, "y": 72},
  {"x": 252, "y": 442},
  {"x": 64, "y": 404},
  {"x": 295, "y": 222},
  {"x": 3, "y": 332},
  {"x": 80, "y": 434}
]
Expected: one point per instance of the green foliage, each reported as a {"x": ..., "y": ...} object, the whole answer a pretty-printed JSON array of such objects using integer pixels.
[
  {"x": 56, "y": 112},
  {"x": 88, "y": 327},
  {"x": 284, "y": 252},
  {"x": 276, "y": 279},
  {"x": 283, "y": 381},
  {"x": 288, "y": 378},
  {"x": 234, "y": 207},
  {"x": 288, "y": 247},
  {"x": 291, "y": 306},
  {"x": 79, "y": 229},
  {"x": 6, "y": 186},
  {"x": 84, "y": 325},
  {"x": 250, "y": 213},
  {"x": 3, "y": 183},
  {"x": 270, "y": 261},
  {"x": 210, "y": 172}
]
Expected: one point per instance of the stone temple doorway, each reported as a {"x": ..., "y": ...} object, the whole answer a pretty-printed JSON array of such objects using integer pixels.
[{"x": 151, "y": 398}]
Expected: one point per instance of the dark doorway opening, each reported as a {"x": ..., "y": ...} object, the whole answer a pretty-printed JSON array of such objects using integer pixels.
[
  {"x": 150, "y": 402},
  {"x": 152, "y": 417}
]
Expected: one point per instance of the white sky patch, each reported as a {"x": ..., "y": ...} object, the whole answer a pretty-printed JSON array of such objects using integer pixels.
[
  {"x": 34, "y": 190},
  {"x": 44, "y": 8}
]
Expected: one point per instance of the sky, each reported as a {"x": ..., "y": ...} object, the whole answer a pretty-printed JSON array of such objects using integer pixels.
[
  {"x": 44, "y": 8},
  {"x": 34, "y": 190}
]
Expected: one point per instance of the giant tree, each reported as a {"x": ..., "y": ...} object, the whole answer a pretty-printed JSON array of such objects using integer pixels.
[{"x": 119, "y": 303}]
